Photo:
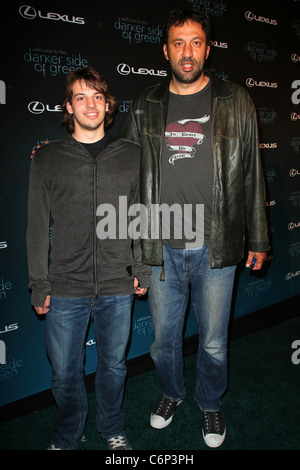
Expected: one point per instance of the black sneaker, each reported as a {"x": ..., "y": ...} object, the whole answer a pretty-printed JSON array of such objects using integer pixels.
[
  {"x": 54, "y": 447},
  {"x": 119, "y": 442},
  {"x": 163, "y": 414},
  {"x": 214, "y": 429}
]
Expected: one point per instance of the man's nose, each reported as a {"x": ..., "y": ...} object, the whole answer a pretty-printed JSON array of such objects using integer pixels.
[
  {"x": 91, "y": 103},
  {"x": 187, "y": 50}
]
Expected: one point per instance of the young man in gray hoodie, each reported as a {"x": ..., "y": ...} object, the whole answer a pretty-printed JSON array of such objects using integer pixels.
[{"x": 82, "y": 271}]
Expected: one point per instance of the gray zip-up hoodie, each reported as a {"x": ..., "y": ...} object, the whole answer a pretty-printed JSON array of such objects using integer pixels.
[{"x": 66, "y": 187}]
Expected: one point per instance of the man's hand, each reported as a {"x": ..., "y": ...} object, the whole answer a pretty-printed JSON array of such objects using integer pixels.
[
  {"x": 139, "y": 290},
  {"x": 260, "y": 258},
  {"x": 45, "y": 308}
]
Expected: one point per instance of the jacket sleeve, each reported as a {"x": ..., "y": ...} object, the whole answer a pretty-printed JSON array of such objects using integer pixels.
[
  {"x": 141, "y": 270},
  {"x": 256, "y": 220},
  {"x": 38, "y": 234},
  {"x": 129, "y": 129}
]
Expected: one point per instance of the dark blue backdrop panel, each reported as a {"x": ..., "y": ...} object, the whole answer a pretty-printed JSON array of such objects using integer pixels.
[{"x": 255, "y": 45}]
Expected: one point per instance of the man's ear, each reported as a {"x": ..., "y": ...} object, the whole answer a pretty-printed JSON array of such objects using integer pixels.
[
  {"x": 165, "y": 49},
  {"x": 207, "y": 52},
  {"x": 69, "y": 107}
]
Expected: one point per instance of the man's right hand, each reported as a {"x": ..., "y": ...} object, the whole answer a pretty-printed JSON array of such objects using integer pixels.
[{"x": 45, "y": 308}]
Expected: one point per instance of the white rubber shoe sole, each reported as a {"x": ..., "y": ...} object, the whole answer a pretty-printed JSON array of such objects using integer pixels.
[
  {"x": 214, "y": 440},
  {"x": 158, "y": 422}
]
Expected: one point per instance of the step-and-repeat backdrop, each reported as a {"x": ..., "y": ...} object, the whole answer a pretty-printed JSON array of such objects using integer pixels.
[{"x": 256, "y": 44}]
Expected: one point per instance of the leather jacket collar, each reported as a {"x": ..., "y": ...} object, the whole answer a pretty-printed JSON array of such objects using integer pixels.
[{"x": 220, "y": 89}]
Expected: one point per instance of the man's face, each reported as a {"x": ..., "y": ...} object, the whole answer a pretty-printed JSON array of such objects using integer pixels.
[
  {"x": 88, "y": 107},
  {"x": 186, "y": 51}
]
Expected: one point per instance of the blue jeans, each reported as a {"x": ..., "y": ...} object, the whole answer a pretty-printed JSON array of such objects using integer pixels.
[
  {"x": 188, "y": 273},
  {"x": 66, "y": 329}
]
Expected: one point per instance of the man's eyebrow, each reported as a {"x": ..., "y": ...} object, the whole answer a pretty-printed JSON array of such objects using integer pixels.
[
  {"x": 182, "y": 39},
  {"x": 83, "y": 93}
]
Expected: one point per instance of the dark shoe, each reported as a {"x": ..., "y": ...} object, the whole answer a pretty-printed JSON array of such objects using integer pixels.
[
  {"x": 163, "y": 413},
  {"x": 214, "y": 429},
  {"x": 54, "y": 447},
  {"x": 119, "y": 442}
]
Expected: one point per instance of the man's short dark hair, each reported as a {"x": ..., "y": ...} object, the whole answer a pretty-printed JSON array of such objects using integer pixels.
[{"x": 178, "y": 17}]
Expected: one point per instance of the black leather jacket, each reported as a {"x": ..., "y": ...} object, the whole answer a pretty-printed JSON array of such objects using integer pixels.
[{"x": 238, "y": 191}]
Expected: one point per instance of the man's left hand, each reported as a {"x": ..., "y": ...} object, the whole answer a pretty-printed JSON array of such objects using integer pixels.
[{"x": 260, "y": 258}]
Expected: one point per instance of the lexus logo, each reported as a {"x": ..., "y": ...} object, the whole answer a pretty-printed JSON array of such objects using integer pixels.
[
  {"x": 250, "y": 82},
  {"x": 251, "y": 16},
  {"x": 27, "y": 12},
  {"x": 36, "y": 107},
  {"x": 123, "y": 69}
]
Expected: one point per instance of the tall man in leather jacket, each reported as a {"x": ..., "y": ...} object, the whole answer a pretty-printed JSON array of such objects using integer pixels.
[
  {"x": 200, "y": 149},
  {"x": 91, "y": 274}
]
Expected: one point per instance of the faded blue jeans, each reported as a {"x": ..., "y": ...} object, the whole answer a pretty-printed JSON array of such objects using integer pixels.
[
  {"x": 66, "y": 328},
  {"x": 188, "y": 273}
]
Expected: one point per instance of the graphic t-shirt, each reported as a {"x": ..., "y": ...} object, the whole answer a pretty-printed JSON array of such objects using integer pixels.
[{"x": 187, "y": 171}]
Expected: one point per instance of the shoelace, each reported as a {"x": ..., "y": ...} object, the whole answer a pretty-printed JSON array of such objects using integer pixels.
[
  {"x": 213, "y": 422},
  {"x": 159, "y": 407},
  {"x": 118, "y": 441}
]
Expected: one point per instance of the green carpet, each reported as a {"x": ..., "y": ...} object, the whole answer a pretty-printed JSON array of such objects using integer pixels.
[{"x": 261, "y": 407}]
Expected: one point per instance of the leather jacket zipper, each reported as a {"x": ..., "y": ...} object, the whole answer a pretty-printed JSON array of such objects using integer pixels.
[{"x": 213, "y": 112}]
